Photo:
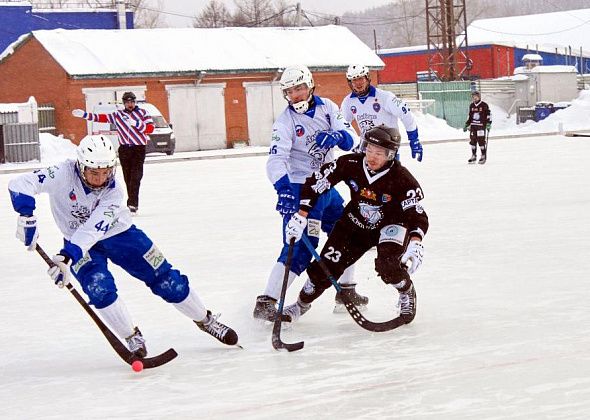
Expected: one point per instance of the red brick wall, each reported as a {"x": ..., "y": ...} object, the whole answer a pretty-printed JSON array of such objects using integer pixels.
[{"x": 31, "y": 71}]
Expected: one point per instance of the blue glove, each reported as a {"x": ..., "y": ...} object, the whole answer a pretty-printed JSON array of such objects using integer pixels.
[
  {"x": 286, "y": 204},
  {"x": 26, "y": 231},
  {"x": 415, "y": 145},
  {"x": 328, "y": 139}
]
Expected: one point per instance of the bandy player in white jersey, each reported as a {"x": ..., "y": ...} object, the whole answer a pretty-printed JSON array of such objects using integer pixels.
[
  {"x": 303, "y": 138},
  {"x": 372, "y": 107}
]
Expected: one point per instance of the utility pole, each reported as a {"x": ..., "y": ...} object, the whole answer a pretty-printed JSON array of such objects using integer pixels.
[
  {"x": 446, "y": 21},
  {"x": 298, "y": 15}
]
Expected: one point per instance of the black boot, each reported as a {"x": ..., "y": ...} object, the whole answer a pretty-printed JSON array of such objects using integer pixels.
[{"x": 265, "y": 308}]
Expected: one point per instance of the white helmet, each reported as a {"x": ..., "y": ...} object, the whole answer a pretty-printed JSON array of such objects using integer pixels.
[
  {"x": 357, "y": 70},
  {"x": 96, "y": 152},
  {"x": 293, "y": 76}
]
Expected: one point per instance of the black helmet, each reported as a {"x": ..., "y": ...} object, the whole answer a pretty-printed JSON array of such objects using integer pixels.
[
  {"x": 129, "y": 96},
  {"x": 383, "y": 136},
  {"x": 475, "y": 92}
]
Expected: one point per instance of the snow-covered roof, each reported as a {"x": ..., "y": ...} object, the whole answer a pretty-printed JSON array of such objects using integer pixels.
[
  {"x": 546, "y": 30},
  {"x": 93, "y": 52},
  {"x": 546, "y": 69}
]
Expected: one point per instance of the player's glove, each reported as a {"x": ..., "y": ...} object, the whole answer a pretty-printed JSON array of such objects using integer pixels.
[
  {"x": 295, "y": 227},
  {"x": 414, "y": 254},
  {"x": 26, "y": 231},
  {"x": 466, "y": 127},
  {"x": 286, "y": 204},
  {"x": 415, "y": 145},
  {"x": 328, "y": 139},
  {"x": 79, "y": 113},
  {"x": 488, "y": 126},
  {"x": 60, "y": 272}
]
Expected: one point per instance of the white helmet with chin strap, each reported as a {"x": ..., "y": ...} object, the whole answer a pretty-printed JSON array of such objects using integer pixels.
[
  {"x": 357, "y": 70},
  {"x": 294, "y": 76},
  {"x": 96, "y": 152}
]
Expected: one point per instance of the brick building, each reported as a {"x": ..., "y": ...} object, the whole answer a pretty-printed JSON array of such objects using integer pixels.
[{"x": 216, "y": 86}]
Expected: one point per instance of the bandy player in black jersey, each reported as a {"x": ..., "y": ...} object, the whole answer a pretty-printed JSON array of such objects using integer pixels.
[{"x": 384, "y": 211}]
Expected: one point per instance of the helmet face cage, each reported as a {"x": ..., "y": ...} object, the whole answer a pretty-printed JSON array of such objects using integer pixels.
[
  {"x": 295, "y": 76},
  {"x": 387, "y": 138},
  {"x": 475, "y": 93},
  {"x": 96, "y": 152}
]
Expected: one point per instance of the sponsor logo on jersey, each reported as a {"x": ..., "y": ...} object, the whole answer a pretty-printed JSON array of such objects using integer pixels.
[
  {"x": 369, "y": 194},
  {"x": 386, "y": 198},
  {"x": 366, "y": 116},
  {"x": 313, "y": 228},
  {"x": 353, "y": 185},
  {"x": 154, "y": 257},
  {"x": 353, "y": 109},
  {"x": 72, "y": 195},
  {"x": 393, "y": 233},
  {"x": 299, "y": 130},
  {"x": 376, "y": 107}
]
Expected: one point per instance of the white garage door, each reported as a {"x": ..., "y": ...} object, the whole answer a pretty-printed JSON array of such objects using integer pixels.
[
  {"x": 197, "y": 114},
  {"x": 265, "y": 102}
]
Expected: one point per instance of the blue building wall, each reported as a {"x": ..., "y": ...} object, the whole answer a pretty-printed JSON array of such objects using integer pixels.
[
  {"x": 582, "y": 64},
  {"x": 22, "y": 19}
]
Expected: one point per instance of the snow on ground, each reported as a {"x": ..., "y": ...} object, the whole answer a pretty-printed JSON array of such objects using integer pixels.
[{"x": 501, "y": 330}]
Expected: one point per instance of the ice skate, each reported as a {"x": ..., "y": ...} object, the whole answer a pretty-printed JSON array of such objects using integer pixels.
[
  {"x": 482, "y": 159},
  {"x": 293, "y": 312},
  {"x": 407, "y": 304},
  {"x": 349, "y": 290},
  {"x": 136, "y": 344},
  {"x": 472, "y": 159},
  {"x": 218, "y": 330},
  {"x": 266, "y": 309}
]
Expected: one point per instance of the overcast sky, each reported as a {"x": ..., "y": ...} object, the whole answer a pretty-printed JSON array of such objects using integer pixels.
[{"x": 180, "y": 13}]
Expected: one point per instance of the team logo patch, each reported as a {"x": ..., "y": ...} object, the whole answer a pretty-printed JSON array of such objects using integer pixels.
[
  {"x": 299, "y": 130},
  {"x": 386, "y": 198},
  {"x": 353, "y": 109},
  {"x": 372, "y": 214},
  {"x": 376, "y": 106},
  {"x": 353, "y": 185},
  {"x": 72, "y": 195},
  {"x": 154, "y": 257},
  {"x": 368, "y": 194}
]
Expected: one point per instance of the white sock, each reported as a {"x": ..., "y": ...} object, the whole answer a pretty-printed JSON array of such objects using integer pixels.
[
  {"x": 192, "y": 306},
  {"x": 117, "y": 317},
  {"x": 348, "y": 276},
  {"x": 275, "y": 281}
]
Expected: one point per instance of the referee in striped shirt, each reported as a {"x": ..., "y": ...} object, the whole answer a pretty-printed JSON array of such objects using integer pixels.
[{"x": 133, "y": 125}]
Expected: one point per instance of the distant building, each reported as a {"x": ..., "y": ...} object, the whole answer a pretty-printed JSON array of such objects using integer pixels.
[
  {"x": 19, "y": 18},
  {"x": 490, "y": 61},
  {"x": 218, "y": 87},
  {"x": 498, "y": 46}
]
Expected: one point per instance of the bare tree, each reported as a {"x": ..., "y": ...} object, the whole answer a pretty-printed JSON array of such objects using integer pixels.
[
  {"x": 214, "y": 15},
  {"x": 145, "y": 15},
  {"x": 254, "y": 13}
]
